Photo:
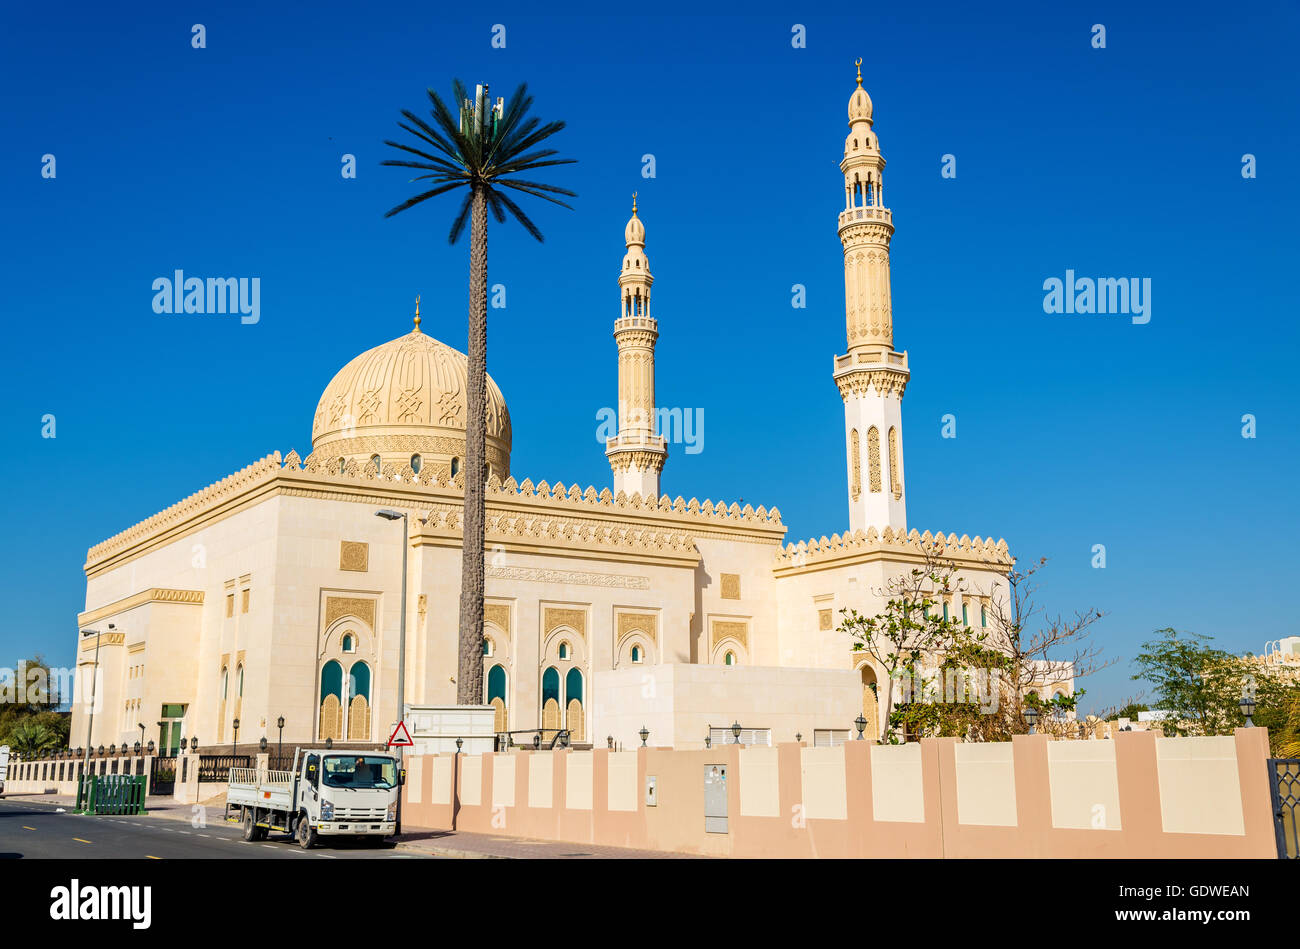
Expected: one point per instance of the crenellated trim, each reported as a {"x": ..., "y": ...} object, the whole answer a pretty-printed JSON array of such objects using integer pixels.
[{"x": 841, "y": 549}]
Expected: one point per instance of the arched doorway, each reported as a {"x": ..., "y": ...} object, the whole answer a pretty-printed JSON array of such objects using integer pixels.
[{"x": 870, "y": 702}]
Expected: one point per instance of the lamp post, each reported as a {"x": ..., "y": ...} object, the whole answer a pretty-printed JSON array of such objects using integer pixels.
[
  {"x": 194, "y": 743},
  {"x": 140, "y": 726},
  {"x": 391, "y": 515},
  {"x": 261, "y": 745},
  {"x": 279, "y": 723},
  {"x": 1247, "y": 706},
  {"x": 861, "y": 723},
  {"x": 1031, "y": 718},
  {"x": 644, "y": 733},
  {"x": 735, "y": 731},
  {"x": 234, "y": 749},
  {"x": 94, "y": 685}
]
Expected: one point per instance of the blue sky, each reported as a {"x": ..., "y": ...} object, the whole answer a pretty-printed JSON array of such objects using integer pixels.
[{"x": 1072, "y": 430}]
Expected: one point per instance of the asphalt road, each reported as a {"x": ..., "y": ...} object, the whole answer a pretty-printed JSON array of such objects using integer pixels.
[{"x": 34, "y": 830}]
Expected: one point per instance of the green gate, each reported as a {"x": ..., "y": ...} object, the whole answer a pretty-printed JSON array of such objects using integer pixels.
[{"x": 111, "y": 794}]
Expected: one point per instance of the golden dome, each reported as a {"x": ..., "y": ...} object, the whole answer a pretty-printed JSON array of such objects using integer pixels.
[{"x": 403, "y": 399}]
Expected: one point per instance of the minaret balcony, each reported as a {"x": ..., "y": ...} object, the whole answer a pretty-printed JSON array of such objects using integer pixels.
[
  {"x": 867, "y": 214},
  {"x": 636, "y": 323},
  {"x": 869, "y": 360},
  {"x": 635, "y": 441}
]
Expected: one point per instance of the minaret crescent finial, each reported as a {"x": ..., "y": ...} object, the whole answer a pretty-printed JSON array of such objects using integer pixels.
[
  {"x": 634, "y": 202},
  {"x": 417, "y": 314},
  {"x": 858, "y": 62}
]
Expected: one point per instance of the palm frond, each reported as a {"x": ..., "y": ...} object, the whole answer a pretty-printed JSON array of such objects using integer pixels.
[
  {"x": 519, "y": 214},
  {"x": 458, "y": 225},
  {"x": 412, "y": 202}
]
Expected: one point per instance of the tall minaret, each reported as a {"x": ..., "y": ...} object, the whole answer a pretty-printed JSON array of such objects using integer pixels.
[
  {"x": 871, "y": 376},
  {"x": 636, "y": 453}
]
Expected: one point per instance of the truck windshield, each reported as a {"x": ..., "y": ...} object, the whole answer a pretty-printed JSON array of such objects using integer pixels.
[{"x": 360, "y": 771}]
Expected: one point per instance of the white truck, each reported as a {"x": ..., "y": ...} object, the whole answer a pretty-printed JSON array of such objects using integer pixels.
[
  {"x": 4, "y": 766},
  {"x": 328, "y": 793}
]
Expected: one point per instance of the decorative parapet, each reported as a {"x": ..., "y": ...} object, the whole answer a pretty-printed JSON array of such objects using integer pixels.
[
  {"x": 680, "y": 518},
  {"x": 818, "y": 554}
]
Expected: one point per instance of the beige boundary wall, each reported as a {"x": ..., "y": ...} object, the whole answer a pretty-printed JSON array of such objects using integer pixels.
[{"x": 1136, "y": 796}]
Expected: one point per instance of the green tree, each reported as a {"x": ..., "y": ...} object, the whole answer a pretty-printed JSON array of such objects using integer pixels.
[
  {"x": 29, "y": 738},
  {"x": 908, "y": 631},
  {"x": 481, "y": 148},
  {"x": 1202, "y": 685}
]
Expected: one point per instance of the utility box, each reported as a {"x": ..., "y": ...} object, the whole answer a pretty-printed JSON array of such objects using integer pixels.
[{"x": 715, "y": 799}]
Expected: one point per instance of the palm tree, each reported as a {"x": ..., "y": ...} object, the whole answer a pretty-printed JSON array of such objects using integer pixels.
[
  {"x": 480, "y": 149},
  {"x": 30, "y": 738}
]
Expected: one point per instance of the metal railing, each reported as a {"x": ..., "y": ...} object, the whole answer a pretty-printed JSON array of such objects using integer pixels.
[{"x": 259, "y": 776}]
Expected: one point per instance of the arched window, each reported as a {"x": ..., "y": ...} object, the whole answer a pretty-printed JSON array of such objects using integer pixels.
[
  {"x": 331, "y": 701},
  {"x": 729, "y": 659},
  {"x": 239, "y": 680},
  {"x": 225, "y": 683},
  {"x": 343, "y": 465},
  {"x": 416, "y": 462},
  {"x": 984, "y": 616},
  {"x": 551, "y": 698},
  {"x": 564, "y": 650},
  {"x": 377, "y": 462},
  {"x": 573, "y": 704},
  {"x": 455, "y": 467},
  {"x": 873, "y": 458},
  {"x": 855, "y": 458},
  {"x": 895, "y": 482},
  {"x": 487, "y": 645},
  {"x": 349, "y": 643},
  {"x": 359, "y": 702},
  {"x": 496, "y": 696},
  {"x": 637, "y": 655}
]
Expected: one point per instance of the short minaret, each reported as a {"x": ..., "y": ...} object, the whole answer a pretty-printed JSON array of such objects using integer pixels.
[
  {"x": 871, "y": 376},
  {"x": 636, "y": 453}
]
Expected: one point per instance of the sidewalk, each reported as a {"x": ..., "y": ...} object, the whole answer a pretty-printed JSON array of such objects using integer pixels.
[{"x": 453, "y": 843}]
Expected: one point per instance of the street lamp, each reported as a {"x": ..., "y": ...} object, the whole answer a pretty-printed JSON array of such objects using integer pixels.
[
  {"x": 390, "y": 515},
  {"x": 609, "y": 742},
  {"x": 138, "y": 746},
  {"x": 735, "y": 731},
  {"x": 861, "y": 723},
  {"x": 150, "y": 746},
  {"x": 279, "y": 723},
  {"x": 261, "y": 745},
  {"x": 194, "y": 743},
  {"x": 1031, "y": 718},
  {"x": 234, "y": 748},
  {"x": 708, "y": 740},
  {"x": 94, "y": 686},
  {"x": 644, "y": 733},
  {"x": 798, "y": 736},
  {"x": 459, "y": 742},
  {"x": 1247, "y": 706},
  {"x": 141, "y": 727},
  {"x": 537, "y": 741}
]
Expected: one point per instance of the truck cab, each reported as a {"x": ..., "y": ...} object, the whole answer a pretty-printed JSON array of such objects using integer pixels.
[{"x": 349, "y": 792}]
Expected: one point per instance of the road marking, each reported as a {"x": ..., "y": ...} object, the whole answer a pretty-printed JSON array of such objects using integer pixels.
[{"x": 80, "y": 840}]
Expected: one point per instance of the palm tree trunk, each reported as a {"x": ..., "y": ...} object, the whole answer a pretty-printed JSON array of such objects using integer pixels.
[{"x": 469, "y": 666}]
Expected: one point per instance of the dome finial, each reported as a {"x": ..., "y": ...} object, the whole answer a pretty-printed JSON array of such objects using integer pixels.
[
  {"x": 858, "y": 62},
  {"x": 417, "y": 314},
  {"x": 634, "y": 202}
]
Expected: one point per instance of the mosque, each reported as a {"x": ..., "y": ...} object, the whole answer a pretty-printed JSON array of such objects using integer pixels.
[{"x": 277, "y": 593}]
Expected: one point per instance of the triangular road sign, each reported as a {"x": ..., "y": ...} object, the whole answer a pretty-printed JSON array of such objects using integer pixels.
[{"x": 400, "y": 737}]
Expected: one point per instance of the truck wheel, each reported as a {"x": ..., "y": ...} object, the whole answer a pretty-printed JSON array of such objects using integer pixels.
[
  {"x": 306, "y": 833},
  {"x": 250, "y": 825}
]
